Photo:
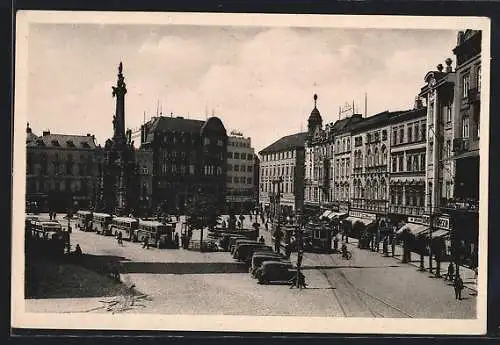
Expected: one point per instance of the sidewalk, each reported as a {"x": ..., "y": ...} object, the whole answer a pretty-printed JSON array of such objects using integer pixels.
[{"x": 466, "y": 273}]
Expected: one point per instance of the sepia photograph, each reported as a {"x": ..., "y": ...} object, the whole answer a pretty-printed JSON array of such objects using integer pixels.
[{"x": 250, "y": 172}]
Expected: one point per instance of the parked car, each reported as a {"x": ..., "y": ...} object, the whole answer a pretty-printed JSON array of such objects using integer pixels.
[
  {"x": 233, "y": 238},
  {"x": 244, "y": 251},
  {"x": 258, "y": 259},
  {"x": 275, "y": 271},
  {"x": 241, "y": 241}
]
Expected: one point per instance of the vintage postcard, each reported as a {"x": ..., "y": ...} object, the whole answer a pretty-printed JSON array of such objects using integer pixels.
[{"x": 250, "y": 172}]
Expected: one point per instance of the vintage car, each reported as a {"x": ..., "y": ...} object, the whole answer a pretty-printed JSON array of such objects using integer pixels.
[
  {"x": 258, "y": 259},
  {"x": 241, "y": 241},
  {"x": 244, "y": 251},
  {"x": 275, "y": 271}
]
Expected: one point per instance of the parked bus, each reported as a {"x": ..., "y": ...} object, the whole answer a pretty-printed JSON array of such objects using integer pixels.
[
  {"x": 124, "y": 225},
  {"x": 84, "y": 220},
  {"x": 101, "y": 222},
  {"x": 160, "y": 235}
]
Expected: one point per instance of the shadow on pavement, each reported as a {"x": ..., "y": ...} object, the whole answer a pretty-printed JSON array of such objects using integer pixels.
[
  {"x": 308, "y": 267},
  {"x": 182, "y": 267},
  {"x": 75, "y": 277}
]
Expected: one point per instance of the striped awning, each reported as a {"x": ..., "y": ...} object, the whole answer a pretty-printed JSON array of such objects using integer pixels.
[
  {"x": 412, "y": 228},
  {"x": 440, "y": 233},
  {"x": 326, "y": 214},
  {"x": 360, "y": 220}
]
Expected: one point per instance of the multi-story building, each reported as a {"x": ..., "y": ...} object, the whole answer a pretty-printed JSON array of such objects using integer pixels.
[
  {"x": 189, "y": 159},
  {"x": 60, "y": 171},
  {"x": 240, "y": 185},
  {"x": 282, "y": 174},
  {"x": 144, "y": 163},
  {"x": 463, "y": 206},
  {"x": 407, "y": 164}
]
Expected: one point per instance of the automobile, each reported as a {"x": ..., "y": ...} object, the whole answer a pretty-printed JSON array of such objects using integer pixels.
[
  {"x": 275, "y": 271},
  {"x": 244, "y": 251},
  {"x": 225, "y": 240},
  {"x": 258, "y": 259},
  {"x": 242, "y": 241},
  {"x": 233, "y": 238}
]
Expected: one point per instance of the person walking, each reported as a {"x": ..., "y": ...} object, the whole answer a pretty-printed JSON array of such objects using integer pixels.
[
  {"x": 146, "y": 242},
  {"x": 458, "y": 285},
  {"x": 262, "y": 240},
  {"x": 451, "y": 272},
  {"x": 335, "y": 243},
  {"x": 119, "y": 238},
  {"x": 176, "y": 239}
]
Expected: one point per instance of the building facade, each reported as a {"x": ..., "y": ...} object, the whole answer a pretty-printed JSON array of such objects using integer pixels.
[
  {"x": 240, "y": 185},
  {"x": 61, "y": 172},
  {"x": 189, "y": 159},
  {"x": 407, "y": 164},
  {"x": 282, "y": 175}
]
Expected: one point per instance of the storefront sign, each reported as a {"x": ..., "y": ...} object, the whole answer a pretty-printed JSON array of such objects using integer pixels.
[
  {"x": 364, "y": 215},
  {"x": 416, "y": 220},
  {"x": 442, "y": 222}
]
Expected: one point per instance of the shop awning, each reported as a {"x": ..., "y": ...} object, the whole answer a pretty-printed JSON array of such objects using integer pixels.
[
  {"x": 336, "y": 215},
  {"x": 326, "y": 214},
  {"x": 360, "y": 220},
  {"x": 440, "y": 233},
  {"x": 413, "y": 228}
]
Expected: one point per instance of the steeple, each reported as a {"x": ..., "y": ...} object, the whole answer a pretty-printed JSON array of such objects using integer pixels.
[
  {"x": 315, "y": 119},
  {"x": 119, "y": 118}
]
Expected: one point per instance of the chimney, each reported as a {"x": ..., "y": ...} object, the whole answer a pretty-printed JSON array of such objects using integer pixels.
[
  {"x": 448, "y": 62},
  {"x": 88, "y": 134},
  {"x": 418, "y": 103},
  {"x": 45, "y": 133}
]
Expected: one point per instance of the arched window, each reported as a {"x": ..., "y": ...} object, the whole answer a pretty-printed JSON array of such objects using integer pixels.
[
  {"x": 384, "y": 155},
  {"x": 383, "y": 189},
  {"x": 375, "y": 191},
  {"x": 377, "y": 162},
  {"x": 348, "y": 144},
  {"x": 368, "y": 158}
]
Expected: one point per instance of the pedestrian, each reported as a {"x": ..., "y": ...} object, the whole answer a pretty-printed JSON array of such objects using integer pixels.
[
  {"x": 176, "y": 238},
  {"x": 393, "y": 245},
  {"x": 451, "y": 272},
  {"x": 119, "y": 238},
  {"x": 78, "y": 250},
  {"x": 335, "y": 243},
  {"x": 458, "y": 285},
  {"x": 146, "y": 242},
  {"x": 262, "y": 240}
]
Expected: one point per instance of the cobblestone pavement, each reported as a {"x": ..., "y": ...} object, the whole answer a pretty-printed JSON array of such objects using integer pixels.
[{"x": 368, "y": 285}]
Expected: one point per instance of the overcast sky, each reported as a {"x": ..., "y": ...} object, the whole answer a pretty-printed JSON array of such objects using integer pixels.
[{"x": 260, "y": 81}]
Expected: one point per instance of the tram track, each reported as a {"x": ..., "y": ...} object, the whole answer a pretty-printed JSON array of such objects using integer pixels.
[{"x": 359, "y": 293}]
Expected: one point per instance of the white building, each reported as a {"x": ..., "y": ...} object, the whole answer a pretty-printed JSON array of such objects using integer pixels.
[{"x": 240, "y": 187}]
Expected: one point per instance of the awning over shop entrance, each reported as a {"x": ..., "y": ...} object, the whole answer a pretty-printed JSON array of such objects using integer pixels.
[
  {"x": 354, "y": 220},
  {"x": 413, "y": 228},
  {"x": 439, "y": 233},
  {"x": 333, "y": 215},
  {"x": 325, "y": 214}
]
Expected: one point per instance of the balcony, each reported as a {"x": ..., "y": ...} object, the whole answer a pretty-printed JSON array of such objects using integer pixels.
[
  {"x": 378, "y": 206},
  {"x": 461, "y": 205},
  {"x": 407, "y": 210}
]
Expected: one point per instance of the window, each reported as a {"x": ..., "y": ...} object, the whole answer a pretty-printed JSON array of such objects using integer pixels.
[
  {"x": 249, "y": 168},
  {"x": 465, "y": 127},
  {"x": 408, "y": 163},
  {"x": 229, "y": 155},
  {"x": 250, "y": 157},
  {"x": 410, "y": 134},
  {"x": 422, "y": 161},
  {"x": 220, "y": 143},
  {"x": 348, "y": 144},
  {"x": 394, "y": 137},
  {"x": 448, "y": 148},
  {"x": 229, "y": 167},
  {"x": 423, "y": 132},
  {"x": 394, "y": 164},
  {"x": 377, "y": 136},
  {"x": 191, "y": 169},
  {"x": 249, "y": 180},
  {"x": 431, "y": 112},
  {"x": 236, "y": 167},
  {"x": 400, "y": 163},
  {"x": 448, "y": 113},
  {"x": 465, "y": 85},
  {"x": 243, "y": 168},
  {"x": 384, "y": 134},
  {"x": 236, "y": 155},
  {"x": 401, "y": 135}
]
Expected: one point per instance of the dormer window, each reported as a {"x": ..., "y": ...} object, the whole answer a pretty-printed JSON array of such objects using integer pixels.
[
  {"x": 85, "y": 144},
  {"x": 55, "y": 143},
  {"x": 40, "y": 142},
  {"x": 70, "y": 143}
]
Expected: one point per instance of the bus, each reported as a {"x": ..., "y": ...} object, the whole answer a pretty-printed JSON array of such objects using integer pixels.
[
  {"x": 124, "y": 225},
  {"x": 100, "y": 223},
  {"x": 51, "y": 235},
  {"x": 159, "y": 235},
  {"x": 84, "y": 220}
]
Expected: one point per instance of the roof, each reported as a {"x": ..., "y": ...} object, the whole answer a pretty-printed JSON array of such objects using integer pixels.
[
  {"x": 63, "y": 141},
  {"x": 345, "y": 124},
  {"x": 375, "y": 120},
  {"x": 179, "y": 124},
  {"x": 286, "y": 143},
  {"x": 410, "y": 114},
  {"x": 315, "y": 116}
]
